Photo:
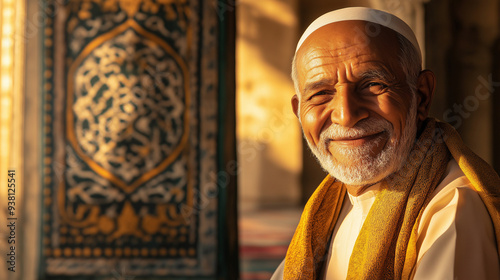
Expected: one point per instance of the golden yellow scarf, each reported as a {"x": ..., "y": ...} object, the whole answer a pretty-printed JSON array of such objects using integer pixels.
[{"x": 386, "y": 245}]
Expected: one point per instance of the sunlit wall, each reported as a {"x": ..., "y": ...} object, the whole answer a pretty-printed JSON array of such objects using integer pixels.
[
  {"x": 269, "y": 139},
  {"x": 11, "y": 111}
]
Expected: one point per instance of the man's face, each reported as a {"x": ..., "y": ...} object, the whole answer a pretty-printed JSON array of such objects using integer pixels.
[{"x": 357, "y": 111}]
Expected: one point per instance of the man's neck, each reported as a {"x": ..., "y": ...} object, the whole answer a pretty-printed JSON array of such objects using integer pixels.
[{"x": 358, "y": 190}]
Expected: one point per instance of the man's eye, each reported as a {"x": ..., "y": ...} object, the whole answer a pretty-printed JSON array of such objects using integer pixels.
[
  {"x": 376, "y": 84},
  {"x": 320, "y": 96},
  {"x": 323, "y": 93},
  {"x": 319, "y": 93},
  {"x": 374, "y": 88}
]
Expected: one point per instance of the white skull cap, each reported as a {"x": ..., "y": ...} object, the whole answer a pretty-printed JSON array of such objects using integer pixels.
[{"x": 366, "y": 14}]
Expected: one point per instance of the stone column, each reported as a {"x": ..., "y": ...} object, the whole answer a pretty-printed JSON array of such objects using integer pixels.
[
  {"x": 495, "y": 89},
  {"x": 439, "y": 39},
  {"x": 461, "y": 37},
  {"x": 474, "y": 31}
]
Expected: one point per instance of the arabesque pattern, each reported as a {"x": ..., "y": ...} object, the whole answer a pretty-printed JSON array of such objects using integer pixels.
[{"x": 128, "y": 146}]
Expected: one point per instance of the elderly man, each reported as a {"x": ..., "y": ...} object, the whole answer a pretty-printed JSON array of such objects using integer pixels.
[{"x": 404, "y": 198}]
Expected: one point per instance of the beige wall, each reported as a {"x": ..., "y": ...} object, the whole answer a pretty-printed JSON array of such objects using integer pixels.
[{"x": 269, "y": 139}]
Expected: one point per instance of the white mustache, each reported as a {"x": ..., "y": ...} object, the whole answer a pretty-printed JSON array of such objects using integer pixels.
[{"x": 363, "y": 128}]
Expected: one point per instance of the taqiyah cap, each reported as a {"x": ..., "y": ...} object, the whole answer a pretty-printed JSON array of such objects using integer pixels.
[{"x": 366, "y": 14}]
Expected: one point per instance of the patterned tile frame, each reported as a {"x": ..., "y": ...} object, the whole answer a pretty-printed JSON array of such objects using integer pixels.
[{"x": 130, "y": 125}]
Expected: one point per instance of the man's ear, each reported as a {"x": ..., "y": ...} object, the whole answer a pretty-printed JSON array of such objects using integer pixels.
[
  {"x": 426, "y": 85},
  {"x": 295, "y": 105}
]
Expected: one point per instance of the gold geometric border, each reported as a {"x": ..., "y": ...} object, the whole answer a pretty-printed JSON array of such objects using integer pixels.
[
  {"x": 127, "y": 188},
  {"x": 90, "y": 215},
  {"x": 120, "y": 252}
]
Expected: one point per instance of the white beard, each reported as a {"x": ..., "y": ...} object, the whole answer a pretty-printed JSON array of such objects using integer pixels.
[{"x": 363, "y": 169}]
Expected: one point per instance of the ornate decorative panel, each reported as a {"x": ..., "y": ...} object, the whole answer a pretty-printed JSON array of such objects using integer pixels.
[{"x": 130, "y": 139}]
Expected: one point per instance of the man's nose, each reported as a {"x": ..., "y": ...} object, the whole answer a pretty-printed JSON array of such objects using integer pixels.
[{"x": 346, "y": 107}]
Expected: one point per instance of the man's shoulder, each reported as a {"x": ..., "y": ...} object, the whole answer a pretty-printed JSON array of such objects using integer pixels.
[
  {"x": 455, "y": 232},
  {"x": 453, "y": 181},
  {"x": 455, "y": 199}
]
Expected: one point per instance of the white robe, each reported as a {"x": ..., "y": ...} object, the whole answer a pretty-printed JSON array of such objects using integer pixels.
[{"x": 455, "y": 235}]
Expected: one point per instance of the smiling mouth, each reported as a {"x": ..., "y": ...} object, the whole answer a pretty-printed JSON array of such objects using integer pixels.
[{"x": 355, "y": 141}]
